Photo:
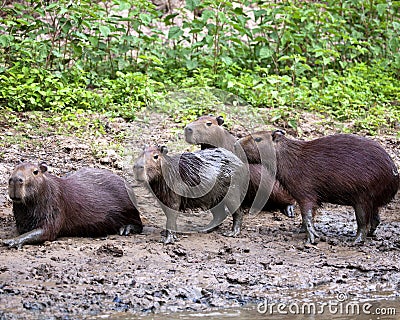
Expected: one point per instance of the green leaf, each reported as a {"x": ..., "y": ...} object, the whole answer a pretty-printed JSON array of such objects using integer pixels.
[
  {"x": 5, "y": 40},
  {"x": 292, "y": 123},
  {"x": 124, "y": 5},
  {"x": 175, "y": 32},
  {"x": 192, "y": 4},
  {"x": 191, "y": 64},
  {"x": 227, "y": 60},
  {"x": 168, "y": 20},
  {"x": 266, "y": 52},
  {"x": 105, "y": 31},
  {"x": 94, "y": 41},
  {"x": 381, "y": 8}
]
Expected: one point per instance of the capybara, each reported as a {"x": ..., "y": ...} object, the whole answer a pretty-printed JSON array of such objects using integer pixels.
[
  {"x": 89, "y": 202},
  {"x": 208, "y": 132},
  {"x": 341, "y": 169},
  {"x": 206, "y": 179}
]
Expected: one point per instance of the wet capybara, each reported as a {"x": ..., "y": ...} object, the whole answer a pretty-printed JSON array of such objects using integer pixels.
[
  {"x": 208, "y": 132},
  {"x": 341, "y": 169},
  {"x": 207, "y": 179},
  {"x": 89, "y": 202}
]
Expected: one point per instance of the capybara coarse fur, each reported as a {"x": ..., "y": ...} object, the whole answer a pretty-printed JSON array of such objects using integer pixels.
[
  {"x": 89, "y": 202},
  {"x": 207, "y": 179},
  {"x": 341, "y": 169},
  {"x": 208, "y": 132}
]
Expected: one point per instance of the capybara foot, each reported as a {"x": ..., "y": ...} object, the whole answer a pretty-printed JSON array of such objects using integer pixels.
[
  {"x": 371, "y": 233},
  {"x": 360, "y": 238},
  {"x": 232, "y": 233},
  {"x": 288, "y": 211},
  {"x": 130, "y": 228},
  {"x": 170, "y": 237},
  {"x": 12, "y": 243},
  {"x": 303, "y": 229},
  {"x": 312, "y": 234}
]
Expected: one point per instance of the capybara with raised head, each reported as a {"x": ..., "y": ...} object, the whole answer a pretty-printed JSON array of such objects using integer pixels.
[
  {"x": 207, "y": 179},
  {"x": 90, "y": 202},
  {"x": 341, "y": 169},
  {"x": 208, "y": 132}
]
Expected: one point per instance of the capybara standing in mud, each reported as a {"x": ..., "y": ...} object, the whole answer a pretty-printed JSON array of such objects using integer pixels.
[
  {"x": 341, "y": 169},
  {"x": 207, "y": 131},
  {"x": 89, "y": 202},
  {"x": 208, "y": 179}
]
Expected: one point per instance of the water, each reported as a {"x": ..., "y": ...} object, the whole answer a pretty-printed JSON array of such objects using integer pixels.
[{"x": 359, "y": 310}]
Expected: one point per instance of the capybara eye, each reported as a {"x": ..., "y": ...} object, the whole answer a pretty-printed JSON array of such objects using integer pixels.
[
  {"x": 155, "y": 157},
  {"x": 35, "y": 172},
  {"x": 258, "y": 139},
  {"x": 209, "y": 123}
]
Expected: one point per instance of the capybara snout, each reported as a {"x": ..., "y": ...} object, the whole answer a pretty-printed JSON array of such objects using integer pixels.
[{"x": 24, "y": 181}]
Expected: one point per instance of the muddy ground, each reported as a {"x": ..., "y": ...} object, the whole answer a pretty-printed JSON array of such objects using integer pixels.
[{"x": 74, "y": 278}]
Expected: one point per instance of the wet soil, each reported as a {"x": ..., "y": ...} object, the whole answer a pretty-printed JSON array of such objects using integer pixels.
[{"x": 74, "y": 278}]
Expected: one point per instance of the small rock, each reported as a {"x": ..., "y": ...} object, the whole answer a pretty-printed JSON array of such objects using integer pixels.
[
  {"x": 105, "y": 160},
  {"x": 34, "y": 305},
  {"x": 180, "y": 252},
  {"x": 333, "y": 242},
  {"x": 230, "y": 260},
  {"x": 110, "y": 250}
]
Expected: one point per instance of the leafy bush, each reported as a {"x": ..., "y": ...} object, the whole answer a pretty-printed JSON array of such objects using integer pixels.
[
  {"x": 129, "y": 92},
  {"x": 24, "y": 89},
  {"x": 339, "y": 58},
  {"x": 28, "y": 89}
]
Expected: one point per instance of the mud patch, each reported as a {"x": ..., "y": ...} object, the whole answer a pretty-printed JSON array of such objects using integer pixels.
[{"x": 136, "y": 274}]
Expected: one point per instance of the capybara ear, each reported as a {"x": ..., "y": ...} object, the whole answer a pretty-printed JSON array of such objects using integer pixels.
[
  {"x": 43, "y": 167},
  {"x": 277, "y": 135},
  {"x": 220, "y": 120},
  {"x": 163, "y": 149}
]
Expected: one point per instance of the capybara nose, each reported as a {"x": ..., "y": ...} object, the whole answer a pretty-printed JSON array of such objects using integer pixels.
[
  {"x": 13, "y": 194},
  {"x": 138, "y": 166},
  {"x": 14, "y": 198},
  {"x": 188, "y": 129},
  {"x": 14, "y": 180}
]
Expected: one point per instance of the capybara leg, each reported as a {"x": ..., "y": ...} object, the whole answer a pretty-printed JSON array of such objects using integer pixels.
[
  {"x": 375, "y": 221},
  {"x": 237, "y": 224},
  {"x": 288, "y": 210},
  {"x": 307, "y": 216},
  {"x": 303, "y": 227},
  {"x": 171, "y": 226},
  {"x": 219, "y": 215},
  {"x": 362, "y": 217},
  {"x": 170, "y": 237},
  {"x": 130, "y": 228},
  {"x": 30, "y": 237}
]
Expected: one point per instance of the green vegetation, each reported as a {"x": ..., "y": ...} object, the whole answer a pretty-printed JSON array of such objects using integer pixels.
[{"x": 339, "y": 59}]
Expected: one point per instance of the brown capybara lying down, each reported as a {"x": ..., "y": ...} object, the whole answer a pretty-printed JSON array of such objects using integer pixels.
[{"x": 90, "y": 202}]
